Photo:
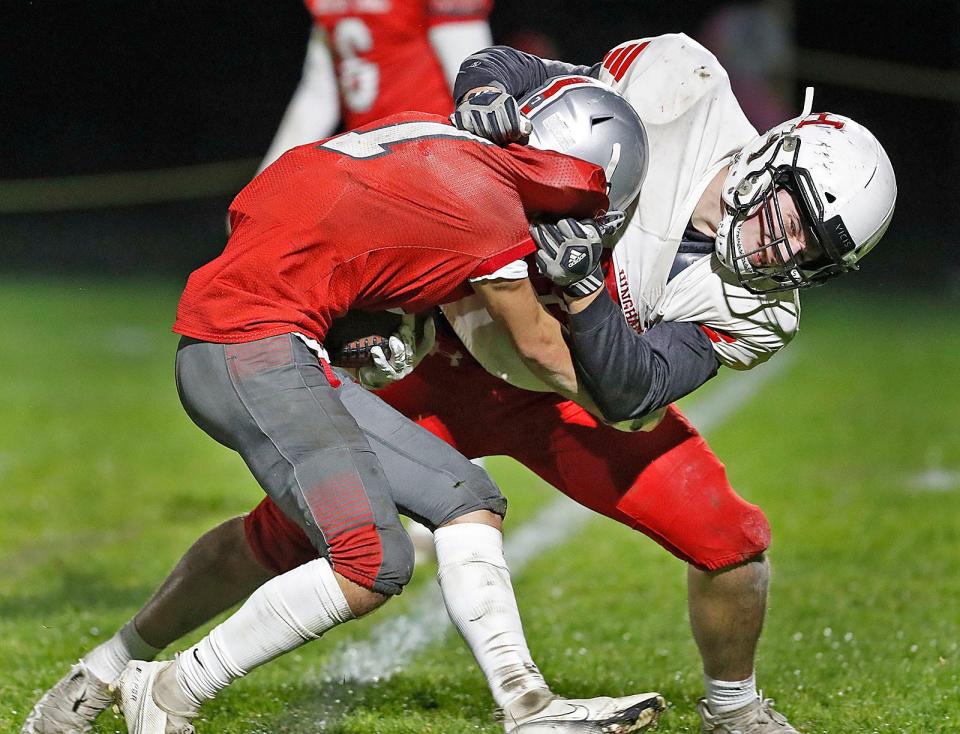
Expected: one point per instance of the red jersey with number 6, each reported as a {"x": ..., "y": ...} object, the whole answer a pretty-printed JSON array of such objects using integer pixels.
[
  {"x": 398, "y": 214},
  {"x": 384, "y": 59}
]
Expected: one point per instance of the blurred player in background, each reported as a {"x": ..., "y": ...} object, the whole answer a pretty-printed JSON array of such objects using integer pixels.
[{"x": 370, "y": 58}]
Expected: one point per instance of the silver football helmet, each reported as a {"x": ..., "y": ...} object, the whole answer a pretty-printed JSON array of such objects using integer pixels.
[
  {"x": 842, "y": 183},
  {"x": 587, "y": 119}
]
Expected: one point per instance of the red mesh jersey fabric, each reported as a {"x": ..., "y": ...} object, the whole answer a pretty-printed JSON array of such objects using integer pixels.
[{"x": 323, "y": 230}]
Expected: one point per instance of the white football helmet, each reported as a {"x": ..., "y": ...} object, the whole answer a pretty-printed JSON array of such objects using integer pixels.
[
  {"x": 587, "y": 119},
  {"x": 842, "y": 182}
]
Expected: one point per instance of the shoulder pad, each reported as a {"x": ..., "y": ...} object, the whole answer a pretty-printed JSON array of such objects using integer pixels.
[{"x": 679, "y": 50}]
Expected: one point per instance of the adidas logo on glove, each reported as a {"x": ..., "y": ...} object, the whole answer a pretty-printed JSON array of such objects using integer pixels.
[{"x": 575, "y": 256}]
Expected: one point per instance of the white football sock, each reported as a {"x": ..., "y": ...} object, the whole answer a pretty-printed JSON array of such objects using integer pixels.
[
  {"x": 284, "y": 613},
  {"x": 108, "y": 659},
  {"x": 727, "y": 695},
  {"x": 477, "y": 592}
]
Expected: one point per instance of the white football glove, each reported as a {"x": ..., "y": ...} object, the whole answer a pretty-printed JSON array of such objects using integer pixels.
[
  {"x": 493, "y": 115},
  {"x": 384, "y": 369},
  {"x": 405, "y": 354}
]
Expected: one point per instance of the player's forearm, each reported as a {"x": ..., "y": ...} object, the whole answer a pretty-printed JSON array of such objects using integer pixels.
[
  {"x": 548, "y": 357},
  {"x": 506, "y": 68},
  {"x": 314, "y": 109},
  {"x": 543, "y": 349},
  {"x": 536, "y": 336},
  {"x": 553, "y": 364},
  {"x": 628, "y": 374}
]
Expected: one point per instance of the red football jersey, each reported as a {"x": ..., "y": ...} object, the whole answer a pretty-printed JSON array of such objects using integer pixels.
[
  {"x": 384, "y": 60},
  {"x": 398, "y": 214}
]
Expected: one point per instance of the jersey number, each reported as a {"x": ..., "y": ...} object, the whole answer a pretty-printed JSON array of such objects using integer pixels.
[
  {"x": 380, "y": 141},
  {"x": 359, "y": 78}
]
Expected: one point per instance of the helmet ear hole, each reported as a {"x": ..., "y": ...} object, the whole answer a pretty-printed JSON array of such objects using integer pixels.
[
  {"x": 586, "y": 119},
  {"x": 829, "y": 197}
]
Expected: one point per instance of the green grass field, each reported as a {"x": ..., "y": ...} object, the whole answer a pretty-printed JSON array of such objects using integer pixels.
[{"x": 853, "y": 451}]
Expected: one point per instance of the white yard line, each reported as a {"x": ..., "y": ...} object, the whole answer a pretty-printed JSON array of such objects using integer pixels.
[
  {"x": 394, "y": 642},
  {"x": 935, "y": 479}
]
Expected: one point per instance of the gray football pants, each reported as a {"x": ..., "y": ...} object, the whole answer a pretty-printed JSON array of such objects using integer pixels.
[{"x": 334, "y": 457}]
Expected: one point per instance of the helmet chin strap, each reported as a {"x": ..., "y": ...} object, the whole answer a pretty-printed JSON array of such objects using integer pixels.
[
  {"x": 729, "y": 246},
  {"x": 723, "y": 244}
]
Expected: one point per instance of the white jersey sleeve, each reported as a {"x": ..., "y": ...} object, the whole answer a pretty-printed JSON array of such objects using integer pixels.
[
  {"x": 314, "y": 109},
  {"x": 746, "y": 329},
  {"x": 453, "y": 42}
]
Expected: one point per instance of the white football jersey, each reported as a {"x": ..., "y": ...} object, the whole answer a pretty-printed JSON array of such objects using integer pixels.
[{"x": 694, "y": 125}]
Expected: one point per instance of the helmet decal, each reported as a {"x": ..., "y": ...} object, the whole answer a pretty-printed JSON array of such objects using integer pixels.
[
  {"x": 551, "y": 90},
  {"x": 822, "y": 119}
]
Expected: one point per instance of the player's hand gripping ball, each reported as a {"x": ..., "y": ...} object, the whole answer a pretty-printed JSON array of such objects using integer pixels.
[
  {"x": 390, "y": 363},
  {"x": 351, "y": 339},
  {"x": 382, "y": 347}
]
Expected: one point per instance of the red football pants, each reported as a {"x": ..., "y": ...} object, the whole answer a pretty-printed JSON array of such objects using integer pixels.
[{"x": 666, "y": 483}]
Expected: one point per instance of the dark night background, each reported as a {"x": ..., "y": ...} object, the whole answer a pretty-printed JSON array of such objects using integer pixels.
[{"x": 108, "y": 86}]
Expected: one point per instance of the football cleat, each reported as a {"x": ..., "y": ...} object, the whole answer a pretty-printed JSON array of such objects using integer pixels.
[
  {"x": 70, "y": 706},
  {"x": 757, "y": 717},
  {"x": 133, "y": 692},
  {"x": 626, "y": 715}
]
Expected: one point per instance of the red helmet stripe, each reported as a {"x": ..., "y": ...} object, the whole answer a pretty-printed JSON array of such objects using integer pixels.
[{"x": 553, "y": 90}]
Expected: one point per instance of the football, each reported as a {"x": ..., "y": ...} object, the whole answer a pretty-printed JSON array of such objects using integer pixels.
[{"x": 352, "y": 336}]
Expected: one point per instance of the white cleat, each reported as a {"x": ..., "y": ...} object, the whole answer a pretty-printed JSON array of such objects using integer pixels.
[
  {"x": 626, "y": 715},
  {"x": 758, "y": 717},
  {"x": 133, "y": 692},
  {"x": 70, "y": 706}
]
